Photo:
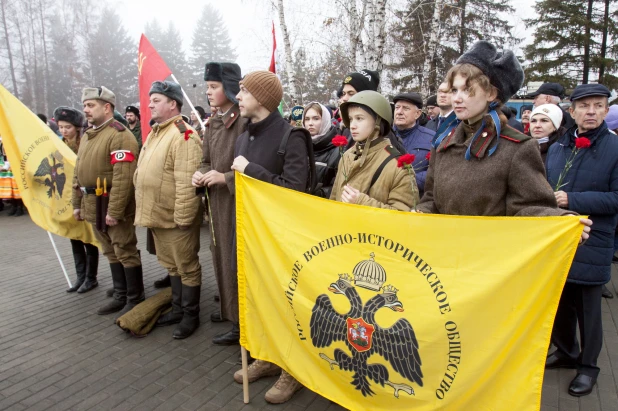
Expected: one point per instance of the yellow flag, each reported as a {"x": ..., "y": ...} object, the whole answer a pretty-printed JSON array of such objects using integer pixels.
[
  {"x": 384, "y": 310},
  {"x": 43, "y": 168}
]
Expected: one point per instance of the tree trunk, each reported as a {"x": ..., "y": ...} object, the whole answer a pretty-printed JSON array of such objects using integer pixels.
[
  {"x": 586, "y": 65},
  {"x": 462, "y": 26},
  {"x": 8, "y": 48},
  {"x": 380, "y": 35},
  {"x": 27, "y": 95},
  {"x": 431, "y": 48},
  {"x": 604, "y": 43},
  {"x": 45, "y": 59},
  {"x": 289, "y": 66}
]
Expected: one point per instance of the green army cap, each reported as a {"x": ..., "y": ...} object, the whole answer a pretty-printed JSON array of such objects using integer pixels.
[{"x": 99, "y": 93}]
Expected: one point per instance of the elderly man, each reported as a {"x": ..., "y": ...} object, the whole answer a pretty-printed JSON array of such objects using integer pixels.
[
  {"x": 167, "y": 204},
  {"x": 443, "y": 101},
  {"x": 108, "y": 153},
  {"x": 591, "y": 188},
  {"x": 552, "y": 93},
  {"x": 416, "y": 138}
]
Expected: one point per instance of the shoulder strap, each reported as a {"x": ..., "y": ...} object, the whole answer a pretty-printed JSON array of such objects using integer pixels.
[
  {"x": 312, "y": 181},
  {"x": 393, "y": 154}
]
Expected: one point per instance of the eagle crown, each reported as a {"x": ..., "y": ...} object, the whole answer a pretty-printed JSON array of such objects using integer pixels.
[
  {"x": 389, "y": 289},
  {"x": 346, "y": 277}
]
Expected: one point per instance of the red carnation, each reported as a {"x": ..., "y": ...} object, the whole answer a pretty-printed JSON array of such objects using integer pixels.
[
  {"x": 582, "y": 142},
  {"x": 187, "y": 134},
  {"x": 405, "y": 160},
  {"x": 428, "y": 156},
  {"x": 340, "y": 141}
]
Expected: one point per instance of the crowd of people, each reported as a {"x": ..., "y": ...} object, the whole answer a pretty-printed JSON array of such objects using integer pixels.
[{"x": 469, "y": 158}]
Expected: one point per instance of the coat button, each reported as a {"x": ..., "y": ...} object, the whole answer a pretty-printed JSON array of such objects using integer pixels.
[
  {"x": 251, "y": 138},
  {"x": 232, "y": 115},
  {"x": 484, "y": 134}
]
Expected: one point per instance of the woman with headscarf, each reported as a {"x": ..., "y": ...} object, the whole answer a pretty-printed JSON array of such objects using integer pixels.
[
  {"x": 317, "y": 120},
  {"x": 86, "y": 256}
]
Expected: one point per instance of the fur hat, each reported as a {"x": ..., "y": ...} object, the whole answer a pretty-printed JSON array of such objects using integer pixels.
[
  {"x": 226, "y": 73},
  {"x": 432, "y": 101},
  {"x": 550, "y": 110},
  {"x": 363, "y": 80},
  {"x": 265, "y": 87},
  {"x": 168, "y": 89},
  {"x": 99, "y": 93},
  {"x": 134, "y": 110},
  {"x": 502, "y": 68},
  {"x": 70, "y": 115}
]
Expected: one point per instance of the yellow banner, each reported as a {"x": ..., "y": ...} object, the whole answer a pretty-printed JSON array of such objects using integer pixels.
[
  {"x": 43, "y": 168},
  {"x": 382, "y": 310}
]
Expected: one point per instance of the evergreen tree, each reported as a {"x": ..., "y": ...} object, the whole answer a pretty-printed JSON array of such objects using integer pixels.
[
  {"x": 570, "y": 46},
  {"x": 210, "y": 42},
  {"x": 155, "y": 33},
  {"x": 479, "y": 20},
  {"x": 114, "y": 65},
  {"x": 172, "y": 53}
]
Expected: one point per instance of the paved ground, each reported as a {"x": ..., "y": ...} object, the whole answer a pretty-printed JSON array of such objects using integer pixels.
[{"x": 57, "y": 354}]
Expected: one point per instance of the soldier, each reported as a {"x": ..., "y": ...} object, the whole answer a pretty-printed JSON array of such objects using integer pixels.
[
  {"x": 217, "y": 175},
  {"x": 108, "y": 151},
  {"x": 133, "y": 119},
  {"x": 167, "y": 204}
]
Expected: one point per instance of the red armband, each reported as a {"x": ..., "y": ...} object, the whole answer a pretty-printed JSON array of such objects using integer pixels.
[{"x": 122, "y": 156}]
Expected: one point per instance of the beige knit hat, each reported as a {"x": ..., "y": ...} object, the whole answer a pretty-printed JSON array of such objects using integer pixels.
[{"x": 265, "y": 87}]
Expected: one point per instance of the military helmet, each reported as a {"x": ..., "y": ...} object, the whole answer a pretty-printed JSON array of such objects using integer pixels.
[{"x": 372, "y": 99}]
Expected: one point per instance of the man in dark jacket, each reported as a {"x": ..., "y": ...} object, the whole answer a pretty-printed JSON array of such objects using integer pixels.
[
  {"x": 552, "y": 93},
  {"x": 416, "y": 138},
  {"x": 445, "y": 106},
  {"x": 590, "y": 188},
  {"x": 257, "y": 157}
]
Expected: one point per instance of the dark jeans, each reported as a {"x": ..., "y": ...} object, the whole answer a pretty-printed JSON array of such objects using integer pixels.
[{"x": 579, "y": 304}]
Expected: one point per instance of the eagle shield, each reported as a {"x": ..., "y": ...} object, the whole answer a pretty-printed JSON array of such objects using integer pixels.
[{"x": 360, "y": 334}]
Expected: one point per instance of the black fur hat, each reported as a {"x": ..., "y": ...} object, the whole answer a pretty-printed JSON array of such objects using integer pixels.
[
  {"x": 226, "y": 73},
  {"x": 363, "y": 80},
  {"x": 70, "y": 115},
  {"x": 502, "y": 68},
  {"x": 169, "y": 89}
]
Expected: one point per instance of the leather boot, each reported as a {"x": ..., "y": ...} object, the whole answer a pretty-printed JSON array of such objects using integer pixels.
[
  {"x": 606, "y": 293},
  {"x": 191, "y": 312},
  {"x": 163, "y": 282},
  {"x": 135, "y": 288},
  {"x": 174, "y": 316},
  {"x": 13, "y": 208},
  {"x": 216, "y": 317},
  {"x": 79, "y": 255},
  {"x": 120, "y": 291},
  {"x": 231, "y": 337},
  {"x": 110, "y": 292},
  {"x": 92, "y": 260}
]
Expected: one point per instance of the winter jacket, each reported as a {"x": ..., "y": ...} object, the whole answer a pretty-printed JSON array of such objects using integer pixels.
[
  {"x": 259, "y": 145},
  {"x": 164, "y": 195},
  {"x": 592, "y": 189},
  {"x": 552, "y": 139},
  {"x": 326, "y": 161},
  {"x": 94, "y": 160},
  {"x": 417, "y": 141},
  {"x": 394, "y": 189},
  {"x": 510, "y": 182}
]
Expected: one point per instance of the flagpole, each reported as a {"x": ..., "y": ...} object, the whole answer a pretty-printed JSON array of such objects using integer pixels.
[
  {"x": 245, "y": 376},
  {"x": 59, "y": 259},
  {"x": 199, "y": 118}
]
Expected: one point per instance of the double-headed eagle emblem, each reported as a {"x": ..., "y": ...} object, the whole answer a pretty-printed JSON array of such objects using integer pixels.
[
  {"x": 363, "y": 336},
  {"x": 51, "y": 173}
]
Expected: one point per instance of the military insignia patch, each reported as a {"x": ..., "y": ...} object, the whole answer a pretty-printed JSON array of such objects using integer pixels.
[
  {"x": 347, "y": 79},
  {"x": 120, "y": 156}
]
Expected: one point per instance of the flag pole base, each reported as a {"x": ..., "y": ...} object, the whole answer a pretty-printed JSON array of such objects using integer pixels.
[{"x": 245, "y": 376}]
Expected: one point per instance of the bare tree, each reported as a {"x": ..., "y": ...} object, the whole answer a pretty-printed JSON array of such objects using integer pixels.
[
  {"x": 430, "y": 54},
  {"x": 8, "y": 47},
  {"x": 289, "y": 65}
]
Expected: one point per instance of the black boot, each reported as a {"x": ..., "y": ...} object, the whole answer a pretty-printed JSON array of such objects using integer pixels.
[
  {"x": 163, "y": 282},
  {"x": 606, "y": 293},
  {"x": 216, "y": 317},
  {"x": 174, "y": 316},
  {"x": 135, "y": 288},
  {"x": 79, "y": 255},
  {"x": 20, "y": 211},
  {"x": 120, "y": 290},
  {"x": 231, "y": 337},
  {"x": 92, "y": 258},
  {"x": 110, "y": 292},
  {"x": 191, "y": 312},
  {"x": 13, "y": 208}
]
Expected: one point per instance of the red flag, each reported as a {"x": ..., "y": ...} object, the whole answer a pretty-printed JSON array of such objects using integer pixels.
[
  {"x": 273, "y": 61},
  {"x": 150, "y": 68}
]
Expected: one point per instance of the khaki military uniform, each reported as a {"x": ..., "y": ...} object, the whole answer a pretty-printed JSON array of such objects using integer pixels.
[
  {"x": 394, "y": 189},
  {"x": 94, "y": 160},
  {"x": 166, "y": 200}
]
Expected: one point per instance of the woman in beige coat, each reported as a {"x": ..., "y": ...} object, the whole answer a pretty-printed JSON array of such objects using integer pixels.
[{"x": 368, "y": 173}]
